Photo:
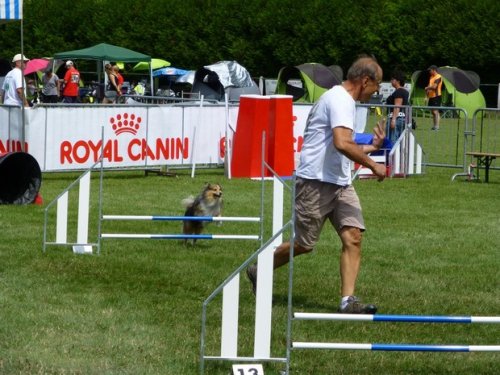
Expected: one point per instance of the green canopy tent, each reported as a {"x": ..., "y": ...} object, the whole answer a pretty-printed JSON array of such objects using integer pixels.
[
  {"x": 460, "y": 89},
  {"x": 106, "y": 52},
  {"x": 315, "y": 78}
]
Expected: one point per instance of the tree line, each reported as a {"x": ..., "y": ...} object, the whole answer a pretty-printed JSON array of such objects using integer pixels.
[{"x": 265, "y": 35}]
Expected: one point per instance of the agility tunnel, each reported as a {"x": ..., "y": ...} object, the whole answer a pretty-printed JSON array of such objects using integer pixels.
[{"x": 20, "y": 178}]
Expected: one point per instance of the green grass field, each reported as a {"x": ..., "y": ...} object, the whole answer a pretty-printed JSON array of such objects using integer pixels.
[{"x": 432, "y": 247}]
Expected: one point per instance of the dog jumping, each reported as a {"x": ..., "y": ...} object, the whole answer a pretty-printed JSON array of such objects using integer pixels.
[{"x": 207, "y": 203}]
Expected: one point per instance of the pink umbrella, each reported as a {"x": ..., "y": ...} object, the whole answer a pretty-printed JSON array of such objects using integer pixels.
[{"x": 36, "y": 65}]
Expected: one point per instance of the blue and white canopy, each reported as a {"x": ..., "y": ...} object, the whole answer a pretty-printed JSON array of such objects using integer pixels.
[{"x": 169, "y": 71}]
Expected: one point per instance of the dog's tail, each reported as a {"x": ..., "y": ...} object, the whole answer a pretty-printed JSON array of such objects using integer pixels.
[{"x": 188, "y": 202}]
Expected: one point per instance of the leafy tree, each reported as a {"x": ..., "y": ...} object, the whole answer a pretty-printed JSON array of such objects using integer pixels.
[{"x": 265, "y": 35}]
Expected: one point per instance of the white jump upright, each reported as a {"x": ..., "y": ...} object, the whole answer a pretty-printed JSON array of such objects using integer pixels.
[
  {"x": 230, "y": 290},
  {"x": 83, "y": 214},
  {"x": 264, "y": 292},
  {"x": 81, "y": 243},
  {"x": 62, "y": 218},
  {"x": 406, "y": 156}
]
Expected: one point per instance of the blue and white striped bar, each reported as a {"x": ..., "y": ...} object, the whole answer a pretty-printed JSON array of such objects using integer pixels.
[
  {"x": 398, "y": 318},
  {"x": 181, "y": 218},
  {"x": 397, "y": 347},
  {"x": 181, "y": 236}
]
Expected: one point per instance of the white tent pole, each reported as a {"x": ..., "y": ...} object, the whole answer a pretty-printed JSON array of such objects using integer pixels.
[
  {"x": 227, "y": 154},
  {"x": 23, "y": 115},
  {"x": 151, "y": 76}
]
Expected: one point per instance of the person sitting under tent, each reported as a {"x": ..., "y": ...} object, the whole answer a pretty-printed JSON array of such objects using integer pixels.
[{"x": 140, "y": 88}]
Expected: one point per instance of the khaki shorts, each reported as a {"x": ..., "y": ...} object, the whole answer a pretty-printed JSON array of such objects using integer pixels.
[{"x": 316, "y": 201}]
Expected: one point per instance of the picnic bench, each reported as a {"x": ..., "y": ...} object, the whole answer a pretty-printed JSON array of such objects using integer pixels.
[{"x": 484, "y": 159}]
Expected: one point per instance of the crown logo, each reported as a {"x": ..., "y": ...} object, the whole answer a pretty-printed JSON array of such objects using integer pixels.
[{"x": 125, "y": 123}]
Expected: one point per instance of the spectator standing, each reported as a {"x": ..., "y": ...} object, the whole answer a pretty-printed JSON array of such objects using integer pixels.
[
  {"x": 13, "y": 93},
  {"x": 119, "y": 77},
  {"x": 433, "y": 92},
  {"x": 50, "y": 87},
  {"x": 397, "y": 117},
  {"x": 112, "y": 87},
  {"x": 71, "y": 83},
  {"x": 324, "y": 188}
]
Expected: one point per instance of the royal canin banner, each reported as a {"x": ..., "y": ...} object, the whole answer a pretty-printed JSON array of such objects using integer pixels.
[{"x": 66, "y": 138}]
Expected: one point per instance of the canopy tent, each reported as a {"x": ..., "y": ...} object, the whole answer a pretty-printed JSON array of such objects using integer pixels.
[
  {"x": 107, "y": 52},
  {"x": 315, "y": 78},
  {"x": 155, "y": 64},
  {"x": 460, "y": 89},
  {"x": 187, "y": 78},
  {"x": 170, "y": 71},
  {"x": 214, "y": 81},
  {"x": 165, "y": 80},
  {"x": 104, "y": 51}
]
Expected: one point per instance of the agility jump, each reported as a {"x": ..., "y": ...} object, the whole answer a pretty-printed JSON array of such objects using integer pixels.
[
  {"x": 182, "y": 218},
  {"x": 182, "y": 236},
  {"x": 397, "y": 319},
  {"x": 82, "y": 244}
]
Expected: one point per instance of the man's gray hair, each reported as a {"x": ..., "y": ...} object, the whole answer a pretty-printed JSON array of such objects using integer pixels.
[{"x": 363, "y": 66}]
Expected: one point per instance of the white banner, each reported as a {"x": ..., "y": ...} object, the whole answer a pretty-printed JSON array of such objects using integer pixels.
[
  {"x": 11, "y": 128},
  {"x": 69, "y": 137}
]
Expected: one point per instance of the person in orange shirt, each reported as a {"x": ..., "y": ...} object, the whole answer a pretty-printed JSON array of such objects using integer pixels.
[
  {"x": 433, "y": 92},
  {"x": 71, "y": 83}
]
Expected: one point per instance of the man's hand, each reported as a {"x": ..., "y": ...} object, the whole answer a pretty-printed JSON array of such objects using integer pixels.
[
  {"x": 379, "y": 133},
  {"x": 379, "y": 170}
]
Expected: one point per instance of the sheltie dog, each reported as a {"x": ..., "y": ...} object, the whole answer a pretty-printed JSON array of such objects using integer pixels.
[{"x": 207, "y": 203}]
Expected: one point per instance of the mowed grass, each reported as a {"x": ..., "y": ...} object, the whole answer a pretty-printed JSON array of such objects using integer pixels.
[{"x": 432, "y": 247}]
